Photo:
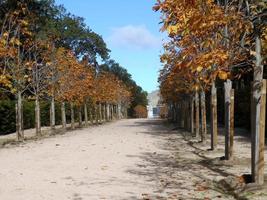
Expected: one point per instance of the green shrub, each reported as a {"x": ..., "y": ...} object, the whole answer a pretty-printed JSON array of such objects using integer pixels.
[{"x": 7, "y": 117}]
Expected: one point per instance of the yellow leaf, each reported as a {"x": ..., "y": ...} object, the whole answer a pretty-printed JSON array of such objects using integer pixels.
[
  {"x": 5, "y": 35},
  {"x": 222, "y": 75},
  {"x": 172, "y": 29},
  {"x": 13, "y": 90},
  {"x": 25, "y": 23},
  {"x": 199, "y": 69}
]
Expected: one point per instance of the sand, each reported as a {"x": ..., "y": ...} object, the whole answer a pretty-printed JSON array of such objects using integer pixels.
[{"x": 128, "y": 159}]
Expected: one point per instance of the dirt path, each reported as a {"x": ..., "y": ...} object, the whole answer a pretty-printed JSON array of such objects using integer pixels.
[{"x": 128, "y": 159}]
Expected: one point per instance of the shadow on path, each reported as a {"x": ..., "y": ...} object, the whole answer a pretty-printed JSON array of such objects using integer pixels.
[{"x": 179, "y": 169}]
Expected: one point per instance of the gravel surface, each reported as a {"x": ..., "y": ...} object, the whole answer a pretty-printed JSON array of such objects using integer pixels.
[{"x": 127, "y": 159}]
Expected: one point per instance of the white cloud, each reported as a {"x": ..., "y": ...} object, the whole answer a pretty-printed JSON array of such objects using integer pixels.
[{"x": 137, "y": 37}]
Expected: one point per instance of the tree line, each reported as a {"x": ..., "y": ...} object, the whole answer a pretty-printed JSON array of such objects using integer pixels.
[
  {"x": 214, "y": 47},
  {"x": 48, "y": 54}
]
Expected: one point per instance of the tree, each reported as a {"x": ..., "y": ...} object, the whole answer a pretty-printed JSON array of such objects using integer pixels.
[
  {"x": 139, "y": 97},
  {"x": 17, "y": 40},
  {"x": 140, "y": 111},
  {"x": 206, "y": 45}
]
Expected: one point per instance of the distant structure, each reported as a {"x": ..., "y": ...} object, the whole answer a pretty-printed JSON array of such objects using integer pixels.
[{"x": 153, "y": 107}]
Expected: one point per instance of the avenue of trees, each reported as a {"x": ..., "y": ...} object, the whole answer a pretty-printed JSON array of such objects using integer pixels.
[
  {"x": 216, "y": 49},
  {"x": 50, "y": 57}
]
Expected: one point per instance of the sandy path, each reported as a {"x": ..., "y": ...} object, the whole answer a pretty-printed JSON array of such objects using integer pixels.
[{"x": 128, "y": 159}]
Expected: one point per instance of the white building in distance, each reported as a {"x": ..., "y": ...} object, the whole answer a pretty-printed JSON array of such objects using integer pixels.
[{"x": 153, "y": 100}]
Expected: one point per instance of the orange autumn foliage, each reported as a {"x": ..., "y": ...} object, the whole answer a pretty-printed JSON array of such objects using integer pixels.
[
  {"x": 140, "y": 111},
  {"x": 204, "y": 42}
]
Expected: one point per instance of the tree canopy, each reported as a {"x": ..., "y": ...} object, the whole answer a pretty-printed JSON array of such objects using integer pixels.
[{"x": 44, "y": 46}]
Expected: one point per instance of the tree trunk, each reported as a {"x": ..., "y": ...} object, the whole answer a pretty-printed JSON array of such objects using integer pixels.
[
  {"x": 63, "y": 116},
  {"x": 197, "y": 114},
  {"x": 117, "y": 111},
  {"x": 91, "y": 116},
  {"x": 96, "y": 113},
  {"x": 37, "y": 117},
  {"x": 72, "y": 116},
  {"x": 174, "y": 116},
  {"x": 188, "y": 117},
  {"x": 19, "y": 117},
  {"x": 80, "y": 116},
  {"x": 105, "y": 112},
  {"x": 126, "y": 112},
  {"x": 229, "y": 119},
  {"x": 112, "y": 112},
  {"x": 258, "y": 117},
  {"x": 108, "y": 112},
  {"x": 85, "y": 115},
  {"x": 203, "y": 118},
  {"x": 192, "y": 115},
  {"x": 182, "y": 114},
  {"x": 213, "y": 117},
  {"x": 52, "y": 114},
  {"x": 100, "y": 113},
  {"x": 122, "y": 112}
]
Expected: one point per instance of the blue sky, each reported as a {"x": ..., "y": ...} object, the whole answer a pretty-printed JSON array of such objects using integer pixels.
[{"x": 131, "y": 30}]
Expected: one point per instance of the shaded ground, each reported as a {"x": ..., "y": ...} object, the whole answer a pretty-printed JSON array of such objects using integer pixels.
[{"x": 128, "y": 159}]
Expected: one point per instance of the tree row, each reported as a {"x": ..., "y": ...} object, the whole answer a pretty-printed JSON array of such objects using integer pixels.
[{"x": 212, "y": 43}]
